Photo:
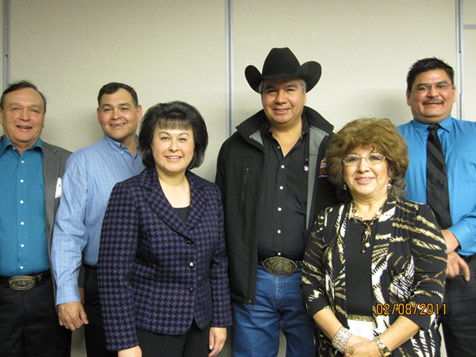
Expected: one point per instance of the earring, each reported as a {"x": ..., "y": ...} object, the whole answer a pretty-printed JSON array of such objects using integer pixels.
[
  {"x": 344, "y": 187},
  {"x": 389, "y": 185}
]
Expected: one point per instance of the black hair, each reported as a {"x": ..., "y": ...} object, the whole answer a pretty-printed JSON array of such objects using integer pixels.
[
  {"x": 425, "y": 65},
  {"x": 173, "y": 115},
  {"x": 113, "y": 87}
]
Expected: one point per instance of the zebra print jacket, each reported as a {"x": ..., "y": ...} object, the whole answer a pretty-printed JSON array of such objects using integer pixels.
[{"x": 408, "y": 271}]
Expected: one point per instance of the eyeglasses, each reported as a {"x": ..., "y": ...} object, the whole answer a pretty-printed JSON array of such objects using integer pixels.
[
  {"x": 439, "y": 87},
  {"x": 373, "y": 158}
]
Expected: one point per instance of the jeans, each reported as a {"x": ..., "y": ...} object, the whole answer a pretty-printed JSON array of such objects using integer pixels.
[
  {"x": 459, "y": 326},
  {"x": 29, "y": 325},
  {"x": 278, "y": 307}
]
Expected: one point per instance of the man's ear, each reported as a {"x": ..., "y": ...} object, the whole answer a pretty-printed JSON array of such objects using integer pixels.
[{"x": 139, "y": 113}]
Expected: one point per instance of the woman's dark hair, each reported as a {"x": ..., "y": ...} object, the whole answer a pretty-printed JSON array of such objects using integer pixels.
[{"x": 173, "y": 115}]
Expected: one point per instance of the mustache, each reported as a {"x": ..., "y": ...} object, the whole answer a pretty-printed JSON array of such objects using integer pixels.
[{"x": 433, "y": 102}]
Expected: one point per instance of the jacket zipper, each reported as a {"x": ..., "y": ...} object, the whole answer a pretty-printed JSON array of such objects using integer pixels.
[{"x": 243, "y": 189}]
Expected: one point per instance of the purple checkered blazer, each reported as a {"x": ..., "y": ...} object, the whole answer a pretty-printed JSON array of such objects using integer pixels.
[{"x": 155, "y": 272}]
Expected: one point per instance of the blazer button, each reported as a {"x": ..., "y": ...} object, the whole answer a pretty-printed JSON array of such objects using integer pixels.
[
  {"x": 191, "y": 289},
  {"x": 191, "y": 265}
]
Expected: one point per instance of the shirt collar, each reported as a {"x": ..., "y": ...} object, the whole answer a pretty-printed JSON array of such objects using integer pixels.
[
  {"x": 116, "y": 145},
  {"x": 446, "y": 124},
  {"x": 6, "y": 144}
]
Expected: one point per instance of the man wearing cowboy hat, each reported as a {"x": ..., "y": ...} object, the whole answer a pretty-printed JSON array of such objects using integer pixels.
[{"x": 271, "y": 172}]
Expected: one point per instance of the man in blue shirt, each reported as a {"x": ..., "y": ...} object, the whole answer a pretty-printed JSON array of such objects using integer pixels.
[
  {"x": 89, "y": 177},
  {"x": 430, "y": 95},
  {"x": 30, "y": 189}
]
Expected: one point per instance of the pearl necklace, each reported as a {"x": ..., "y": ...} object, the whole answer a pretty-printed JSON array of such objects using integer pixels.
[{"x": 368, "y": 226}]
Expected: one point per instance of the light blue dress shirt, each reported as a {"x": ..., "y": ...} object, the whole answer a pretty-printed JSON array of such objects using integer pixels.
[
  {"x": 90, "y": 174},
  {"x": 458, "y": 138},
  {"x": 23, "y": 243}
]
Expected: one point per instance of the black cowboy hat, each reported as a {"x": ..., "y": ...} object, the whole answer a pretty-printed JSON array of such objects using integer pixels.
[{"x": 281, "y": 63}]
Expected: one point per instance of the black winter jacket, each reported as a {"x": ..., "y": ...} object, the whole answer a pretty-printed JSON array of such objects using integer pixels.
[{"x": 239, "y": 169}]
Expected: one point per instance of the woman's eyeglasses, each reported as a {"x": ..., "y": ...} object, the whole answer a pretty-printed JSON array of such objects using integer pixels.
[{"x": 371, "y": 159}]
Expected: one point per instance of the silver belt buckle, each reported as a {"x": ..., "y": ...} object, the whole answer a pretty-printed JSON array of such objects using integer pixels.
[
  {"x": 279, "y": 266},
  {"x": 21, "y": 282}
]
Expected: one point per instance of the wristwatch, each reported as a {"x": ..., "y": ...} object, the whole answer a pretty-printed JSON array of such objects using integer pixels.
[{"x": 384, "y": 351}]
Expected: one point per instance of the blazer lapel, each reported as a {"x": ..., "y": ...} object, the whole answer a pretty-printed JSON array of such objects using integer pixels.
[
  {"x": 198, "y": 201},
  {"x": 155, "y": 198},
  {"x": 340, "y": 289},
  {"x": 384, "y": 229},
  {"x": 51, "y": 174},
  {"x": 380, "y": 255}
]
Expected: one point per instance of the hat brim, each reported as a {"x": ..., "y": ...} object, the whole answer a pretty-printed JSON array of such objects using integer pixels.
[{"x": 310, "y": 72}]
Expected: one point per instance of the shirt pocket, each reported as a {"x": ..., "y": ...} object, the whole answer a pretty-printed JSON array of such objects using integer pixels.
[{"x": 467, "y": 166}]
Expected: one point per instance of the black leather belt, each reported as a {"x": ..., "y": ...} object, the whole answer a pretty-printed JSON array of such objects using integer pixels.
[
  {"x": 280, "y": 266},
  {"x": 24, "y": 282}
]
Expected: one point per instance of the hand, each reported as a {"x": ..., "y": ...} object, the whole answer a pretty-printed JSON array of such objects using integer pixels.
[
  {"x": 353, "y": 340},
  {"x": 71, "y": 315},
  {"x": 217, "y": 340},
  {"x": 452, "y": 243},
  {"x": 457, "y": 265},
  {"x": 363, "y": 348},
  {"x": 130, "y": 352},
  {"x": 81, "y": 294}
]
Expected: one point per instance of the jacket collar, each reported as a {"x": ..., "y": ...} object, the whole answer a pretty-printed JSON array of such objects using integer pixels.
[
  {"x": 155, "y": 198},
  {"x": 251, "y": 127}
]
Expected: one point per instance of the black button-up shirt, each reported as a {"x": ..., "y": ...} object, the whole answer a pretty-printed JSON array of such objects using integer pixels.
[{"x": 281, "y": 214}]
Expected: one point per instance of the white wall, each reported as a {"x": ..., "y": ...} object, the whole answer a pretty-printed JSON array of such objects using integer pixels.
[
  {"x": 176, "y": 49},
  {"x": 469, "y": 60},
  {"x": 365, "y": 48},
  {"x": 165, "y": 49}
]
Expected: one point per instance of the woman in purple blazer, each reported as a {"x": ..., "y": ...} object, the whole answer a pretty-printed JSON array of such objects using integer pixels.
[{"x": 162, "y": 268}]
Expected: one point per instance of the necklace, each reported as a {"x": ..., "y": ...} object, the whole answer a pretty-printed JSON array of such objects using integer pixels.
[{"x": 368, "y": 227}]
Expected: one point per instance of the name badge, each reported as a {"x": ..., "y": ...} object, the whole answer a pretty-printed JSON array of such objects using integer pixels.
[{"x": 59, "y": 188}]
